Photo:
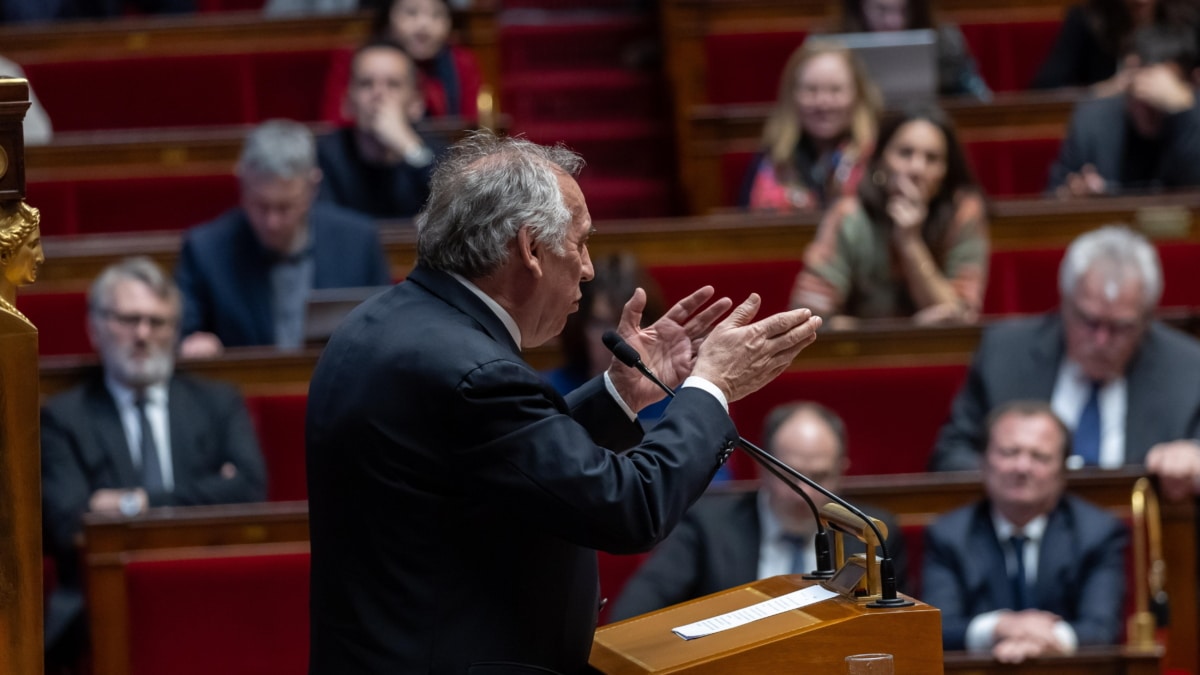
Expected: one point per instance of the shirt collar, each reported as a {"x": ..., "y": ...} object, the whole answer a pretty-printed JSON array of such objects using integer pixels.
[
  {"x": 126, "y": 397},
  {"x": 1005, "y": 529},
  {"x": 504, "y": 316}
]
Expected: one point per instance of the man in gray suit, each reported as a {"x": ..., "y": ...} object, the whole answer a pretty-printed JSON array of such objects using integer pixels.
[
  {"x": 1124, "y": 383},
  {"x": 136, "y": 435}
]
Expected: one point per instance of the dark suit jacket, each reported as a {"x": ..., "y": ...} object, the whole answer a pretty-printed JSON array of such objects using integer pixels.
[
  {"x": 224, "y": 273},
  {"x": 84, "y": 449},
  {"x": 1100, "y": 134},
  {"x": 716, "y": 547},
  {"x": 1019, "y": 359},
  {"x": 455, "y": 499},
  {"x": 1080, "y": 575},
  {"x": 395, "y": 191}
]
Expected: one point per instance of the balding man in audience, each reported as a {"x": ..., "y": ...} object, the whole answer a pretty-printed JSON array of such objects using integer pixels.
[
  {"x": 381, "y": 165},
  {"x": 246, "y": 276},
  {"x": 135, "y": 434},
  {"x": 1028, "y": 571},
  {"x": 729, "y": 539},
  {"x": 1123, "y": 382}
]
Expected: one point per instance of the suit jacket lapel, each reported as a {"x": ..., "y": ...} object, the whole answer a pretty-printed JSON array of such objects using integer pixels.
[
  {"x": 990, "y": 579},
  {"x": 454, "y": 293},
  {"x": 1143, "y": 398},
  {"x": 182, "y": 431},
  {"x": 1056, "y": 559},
  {"x": 253, "y": 270},
  {"x": 110, "y": 433},
  {"x": 1046, "y": 354}
]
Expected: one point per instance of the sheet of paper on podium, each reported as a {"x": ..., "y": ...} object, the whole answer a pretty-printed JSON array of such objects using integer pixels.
[{"x": 784, "y": 603}]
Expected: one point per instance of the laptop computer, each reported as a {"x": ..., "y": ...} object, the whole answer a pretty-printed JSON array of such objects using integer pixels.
[{"x": 903, "y": 64}]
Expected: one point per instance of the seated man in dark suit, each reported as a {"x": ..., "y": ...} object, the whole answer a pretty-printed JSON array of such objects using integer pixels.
[
  {"x": 730, "y": 539},
  {"x": 1029, "y": 570},
  {"x": 1145, "y": 138},
  {"x": 381, "y": 165},
  {"x": 136, "y": 435},
  {"x": 1124, "y": 382},
  {"x": 246, "y": 276}
]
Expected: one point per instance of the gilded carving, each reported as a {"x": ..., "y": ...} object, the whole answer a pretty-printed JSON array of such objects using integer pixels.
[{"x": 20, "y": 252}]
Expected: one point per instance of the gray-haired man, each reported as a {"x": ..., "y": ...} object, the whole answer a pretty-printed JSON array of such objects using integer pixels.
[{"x": 246, "y": 276}]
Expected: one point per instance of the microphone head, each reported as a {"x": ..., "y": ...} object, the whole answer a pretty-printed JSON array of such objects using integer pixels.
[{"x": 621, "y": 349}]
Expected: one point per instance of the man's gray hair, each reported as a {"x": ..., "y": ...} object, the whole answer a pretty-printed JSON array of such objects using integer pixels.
[
  {"x": 278, "y": 149},
  {"x": 482, "y": 193},
  {"x": 141, "y": 269},
  {"x": 1116, "y": 252}
]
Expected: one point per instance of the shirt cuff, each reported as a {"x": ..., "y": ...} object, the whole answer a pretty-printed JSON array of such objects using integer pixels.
[
  {"x": 612, "y": 390},
  {"x": 981, "y": 632},
  {"x": 701, "y": 383},
  {"x": 1066, "y": 637}
]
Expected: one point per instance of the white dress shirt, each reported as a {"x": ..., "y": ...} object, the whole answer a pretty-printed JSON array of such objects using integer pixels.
[
  {"x": 1071, "y": 391},
  {"x": 775, "y": 554},
  {"x": 156, "y": 413}
]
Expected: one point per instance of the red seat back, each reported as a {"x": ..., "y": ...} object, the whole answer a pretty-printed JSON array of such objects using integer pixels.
[
  {"x": 1010, "y": 53},
  {"x": 237, "y": 615},
  {"x": 279, "y": 421},
  {"x": 746, "y": 67},
  {"x": 771, "y": 279},
  {"x": 61, "y": 319}
]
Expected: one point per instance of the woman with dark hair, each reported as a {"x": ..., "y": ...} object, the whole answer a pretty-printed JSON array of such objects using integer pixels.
[
  {"x": 913, "y": 242},
  {"x": 449, "y": 75},
  {"x": 957, "y": 72},
  {"x": 1095, "y": 37}
]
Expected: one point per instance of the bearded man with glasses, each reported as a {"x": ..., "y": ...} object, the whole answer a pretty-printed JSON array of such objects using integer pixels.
[{"x": 135, "y": 435}]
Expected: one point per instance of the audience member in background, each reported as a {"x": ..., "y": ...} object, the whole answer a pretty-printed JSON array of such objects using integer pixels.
[
  {"x": 449, "y": 75},
  {"x": 381, "y": 165},
  {"x": 1147, "y": 136},
  {"x": 36, "y": 126},
  {"x": 1124, "y": 382},
  {"x": 617, "y": 276},
  {"x": 957, "y": 72},
  {"x": 1028, "y": 571},
  {"x": 135, "y": 434},
  {"x": 29, "y": 11},
  {"x": 729, "y": 539},
  {"x": 913, "y": 242},
  {"x": 246, "y": 276},
  {"x": 818, "y": 134},
  {"x": 1096, "y": 35}
]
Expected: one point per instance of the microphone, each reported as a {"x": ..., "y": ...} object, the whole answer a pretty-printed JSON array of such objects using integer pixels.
[
  {"x": 629, "y": 356},
  {"x": 887, "y": 569}
]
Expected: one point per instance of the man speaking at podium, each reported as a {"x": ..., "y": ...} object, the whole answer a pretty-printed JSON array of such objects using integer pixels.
[{"x": 455, "y": 500}]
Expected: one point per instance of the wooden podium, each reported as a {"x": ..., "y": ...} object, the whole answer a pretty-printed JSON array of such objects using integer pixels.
[{"x": 813, "y": 639}]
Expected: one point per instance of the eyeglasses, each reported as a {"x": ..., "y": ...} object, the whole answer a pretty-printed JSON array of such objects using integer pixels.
[
  {"x": 133, "y": 321},
  {"x": 1094, "y": 324}
]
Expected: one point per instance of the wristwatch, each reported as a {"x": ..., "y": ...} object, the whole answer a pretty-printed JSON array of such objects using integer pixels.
[{"x": 129, "y": 504}]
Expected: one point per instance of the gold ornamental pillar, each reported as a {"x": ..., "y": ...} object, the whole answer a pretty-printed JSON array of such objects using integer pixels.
[{"x": 20, "y": 457}]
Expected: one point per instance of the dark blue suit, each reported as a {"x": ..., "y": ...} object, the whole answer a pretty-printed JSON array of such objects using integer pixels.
[
  {"x": 456, "y": 501},
  {"x": 1080, "y": 574},
  {"x": 225, "y": 274}
]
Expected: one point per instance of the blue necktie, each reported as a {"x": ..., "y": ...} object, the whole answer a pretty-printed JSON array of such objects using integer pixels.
[
  {"x": 152, "y": 478},
  {"x": 1020, "y": 587},
  {"x": 1087, "y": 431},
  {"x": 797, "y": 542}
]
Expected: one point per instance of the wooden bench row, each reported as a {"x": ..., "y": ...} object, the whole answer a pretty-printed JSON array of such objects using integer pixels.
[{"x": 172, "y": 583}]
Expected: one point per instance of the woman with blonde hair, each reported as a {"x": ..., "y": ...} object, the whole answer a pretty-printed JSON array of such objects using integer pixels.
[{"x": 819, "y": 134}]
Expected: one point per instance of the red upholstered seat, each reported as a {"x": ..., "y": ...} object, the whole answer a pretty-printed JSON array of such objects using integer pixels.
[
  {"x": 615, "y": 571},
  {"x": 1010, "y": 53},
  {"x": 245, "y": 615},
  {"x": 61, "y": 319},
  {"x": 132, "y": 204},
  {"x": 279, "y": 422},
  {"x": 1012, "y": 166},
  {"x": 598, "y": 43},
  {"x": 184, "y": 90},
  {"x": 892, "y": 414},
  {"x": 1023, "y": 281},
  {"x": 745, "y": 67},
  {"x": 771, "y": 279}
]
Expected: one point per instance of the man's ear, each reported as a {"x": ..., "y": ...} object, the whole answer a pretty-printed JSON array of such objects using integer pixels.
[{"x": 530, "y": 251}]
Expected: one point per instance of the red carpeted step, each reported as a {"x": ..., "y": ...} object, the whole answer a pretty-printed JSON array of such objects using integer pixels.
[
  {"x": 616, "y": 198},
  {"x": 600, "y": 43},
  {"x": 573, "y": 95}
]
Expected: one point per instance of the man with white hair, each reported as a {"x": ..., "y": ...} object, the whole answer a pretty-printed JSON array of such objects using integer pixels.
[
  {"x": 136, "y": 435},
  {"x": 1124, "y": 383},
  {"x": 246, "y": 276}
]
